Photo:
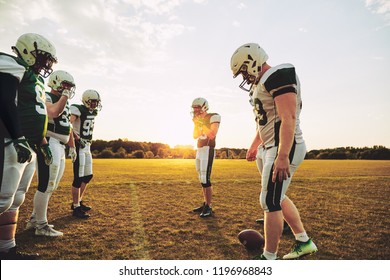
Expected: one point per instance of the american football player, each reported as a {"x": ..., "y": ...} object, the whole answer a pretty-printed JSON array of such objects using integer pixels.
[
  {"x": 23, "y": 129},
  {"x": 83, "y": 120},
  {"x": 206, "y": 127},
  {"x": 278, "y": 146},
  {"x": 58, "y": 135}
]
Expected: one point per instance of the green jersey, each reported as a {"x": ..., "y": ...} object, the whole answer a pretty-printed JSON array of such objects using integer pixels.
[
  {"x": 31, "y": 104},
  {"x": 59, "y": 127},
  {"x": 85, "y": 121}
]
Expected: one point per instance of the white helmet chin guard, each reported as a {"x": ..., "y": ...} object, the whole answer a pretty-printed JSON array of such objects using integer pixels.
[
  {"x": 199, "y": 106},
  {"x": 61, "y": 80},
  {"x": 91, "y": 100},
  {"x": 38, "y": 52},
  {"x": 247, "y": 60}
]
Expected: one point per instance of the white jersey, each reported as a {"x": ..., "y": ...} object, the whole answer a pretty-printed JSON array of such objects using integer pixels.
[{"x": 274, "y": 82}]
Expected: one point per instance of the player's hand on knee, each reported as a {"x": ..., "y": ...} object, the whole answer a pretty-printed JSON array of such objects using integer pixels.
[
  {"x": 23, "y": 150},
  {"x": 45, "y": 149}
]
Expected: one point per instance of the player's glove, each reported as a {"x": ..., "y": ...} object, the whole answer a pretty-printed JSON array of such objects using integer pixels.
[
  {"x": 45, "y": 149},
  {"x": 82, "y": 143},
  {"x": 23, "y": 150},
  {"x": 198, "y": 122},
  {"x": 66, "y": 93},
  {"x": 72, "y": 153}
]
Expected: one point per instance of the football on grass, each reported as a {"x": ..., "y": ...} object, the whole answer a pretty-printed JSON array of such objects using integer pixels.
[{"x": 251, "y": 239}]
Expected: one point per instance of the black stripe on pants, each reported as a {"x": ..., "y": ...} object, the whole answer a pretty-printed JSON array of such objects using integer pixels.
[{"x": 209, "y": 167}]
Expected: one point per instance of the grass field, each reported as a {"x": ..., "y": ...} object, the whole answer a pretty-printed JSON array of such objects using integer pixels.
[{"x": 141, "y": 210}]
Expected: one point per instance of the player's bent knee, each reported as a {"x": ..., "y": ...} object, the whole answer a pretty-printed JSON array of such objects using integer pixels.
[
  {"x": 87, "y": 179},
  {"x": 5, "y": 202},
  {"x": 77, "y": 183},
  {"x": 18, "y": 201}
]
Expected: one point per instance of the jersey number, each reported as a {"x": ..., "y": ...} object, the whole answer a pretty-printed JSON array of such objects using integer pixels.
[
  {"x": 40, "y": 107},
  {"x": 87, "y": 127},
  {"x": 261, "y": 115}
]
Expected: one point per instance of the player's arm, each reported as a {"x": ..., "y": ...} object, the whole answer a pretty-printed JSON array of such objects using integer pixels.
[
  {"x": 198, "y": 131},
  {"x": 71, "y": 144},
  {"x": 54, "y": 110},
  {"x": 71, "y": 139},
  {"x": 212, "y": 131},
  {"x": 8, "y": 108},
  {"x": 286, "y": 107},
  {"x": 252, "y": 151}
]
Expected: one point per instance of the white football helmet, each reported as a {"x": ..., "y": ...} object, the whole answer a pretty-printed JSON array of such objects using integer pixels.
[
  {"x": 91, "y": 100},
  {"x": 61, "y": 80},
  {"x": 199, "y": 106},
  {"x": 247, "y": 60},
  {"x": 37, "y": 52}
]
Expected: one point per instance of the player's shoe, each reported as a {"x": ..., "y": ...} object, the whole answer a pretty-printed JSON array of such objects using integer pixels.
[
  {"x": 47, "y": 231},
  {"x": 79, "y": 213},
  {"x": 262, "y": 258},
  {"x": 32, "y": 224},
  {"x": 14, "y": 254},
  {"x": 300, "y": 249},
  {"x": 286, "y": 227},
  {"x": 84, "y": 207},
  {"x": 199, "y": 209},
  {"x": 206, "y": 212}
]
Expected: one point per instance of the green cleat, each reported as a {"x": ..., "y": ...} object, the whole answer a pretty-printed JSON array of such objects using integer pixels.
[{"x": 300, "y": 249}]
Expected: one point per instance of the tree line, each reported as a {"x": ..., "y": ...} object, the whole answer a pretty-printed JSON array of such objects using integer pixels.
[{"x": 123, "y": 148}]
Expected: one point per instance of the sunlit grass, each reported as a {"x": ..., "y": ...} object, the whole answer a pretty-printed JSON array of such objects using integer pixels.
[{"x": 141, "y": 210}]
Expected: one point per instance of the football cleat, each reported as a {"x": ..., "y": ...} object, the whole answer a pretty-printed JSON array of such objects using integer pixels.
[
  {"x": 32, "y": 224},
  {"x": 79, "y": 213},
  {"x": 300, "y": 249},
  {"x": 262, "y": 258},
  {"x": 13, "y": 254},
  {"x": 199, "y": 209},
  {"x": 206, "y": 212},
  {"x": 47, "y": 231},
  {"x": 84, "y": 207}
]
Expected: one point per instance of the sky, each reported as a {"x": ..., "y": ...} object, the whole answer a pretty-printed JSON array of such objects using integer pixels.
[{"x": 150, "y": 58}]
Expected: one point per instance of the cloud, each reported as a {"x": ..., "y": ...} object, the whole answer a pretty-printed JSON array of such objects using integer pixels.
[
  {"x": 381, "y": 7},
  {"x": 98, "y": 32},
  {"x": 303, "y": 30},
  {"x": 236, "y": 23},
  {"x": 241, "y": 6}
]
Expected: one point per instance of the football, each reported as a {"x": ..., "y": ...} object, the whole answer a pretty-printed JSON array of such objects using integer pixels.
[{"x": 251, "y": 239}]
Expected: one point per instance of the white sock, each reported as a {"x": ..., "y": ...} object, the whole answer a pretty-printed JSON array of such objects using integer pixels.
[
  {"x": 41, "y": 201},
  {"x": 303, "y": 237},
  {"x": 269, "y": 256},
  {"x": 5, "y": 245}
]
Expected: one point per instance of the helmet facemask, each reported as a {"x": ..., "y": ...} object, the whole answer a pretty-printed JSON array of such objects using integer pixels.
[
  {"x": 247, "y": 78},
  {"x": 197, "y": 111},
  {"x": 93, "y": 104},
  {"x": 91, "y": 100},
  {"x": 43, "y": 62},
  {"x": 199, "y": 106},
  {"x": 65, "y": 85}
]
